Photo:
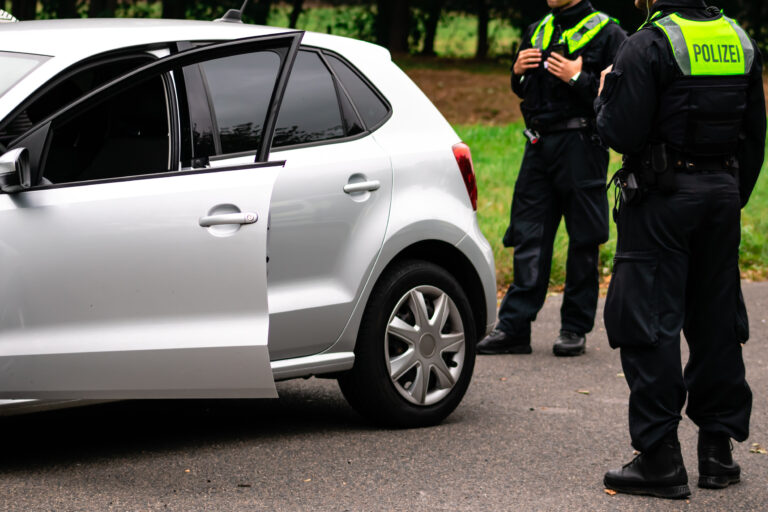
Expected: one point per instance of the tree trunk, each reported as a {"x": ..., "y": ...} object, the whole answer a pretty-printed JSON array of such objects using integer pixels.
[
  {"x": 61, "y": 8},
  {"x": 434, "y": 9},
  {"x": 175, "y": 9},
  {"x": 383, "y": 21},
  {"x": 102, "y": 8},
  {"x": 24, "y": 9},
  {"x": 260, "y": 11},
  {"x": 298, "y": 7},
  {"x": 483, "y": 18},
  {"x": 400, "y": 26}
]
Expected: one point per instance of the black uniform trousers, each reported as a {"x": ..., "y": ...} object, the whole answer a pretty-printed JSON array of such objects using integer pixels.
[
  {"x": 563, "y": 175},
  {"x": 677, "y": 267}
]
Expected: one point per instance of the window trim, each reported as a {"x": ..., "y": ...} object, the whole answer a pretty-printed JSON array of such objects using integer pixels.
[
  {"x": 349, "y": 138},
  {"x": 367, "y": 82},
  {"x": 79, "y": 67},
  {"x": 157, "y": 175},
  {"x": 340, "y": 88},
  {"x": 337, "y": 87},
  {"x": 288, "y": 42}
]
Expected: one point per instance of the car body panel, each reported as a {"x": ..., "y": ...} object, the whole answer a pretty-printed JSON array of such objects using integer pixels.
[
  {"x": 97, "y": 289},
  {"x": 322, "y": 241}
]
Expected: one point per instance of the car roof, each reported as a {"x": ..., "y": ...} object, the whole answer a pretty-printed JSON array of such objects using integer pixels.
[
  {"x": 75, "y": 38},
  {"x": 70, "y": 41}
]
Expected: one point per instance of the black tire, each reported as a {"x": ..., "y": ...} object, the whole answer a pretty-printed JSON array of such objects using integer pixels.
[{"x": 370, "y": 389}]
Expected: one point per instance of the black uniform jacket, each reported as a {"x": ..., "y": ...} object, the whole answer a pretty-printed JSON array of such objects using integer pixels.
[
  {"x": 546, "y": 98},
  {"x": 645, "y": 66}
]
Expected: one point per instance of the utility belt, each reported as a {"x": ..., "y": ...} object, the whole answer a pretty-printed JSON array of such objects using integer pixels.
[
  {"x": 537, "y": 129},
  {"x": 656, "y": 169}
]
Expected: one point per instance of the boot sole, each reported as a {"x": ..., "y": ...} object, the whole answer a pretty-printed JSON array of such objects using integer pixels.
[
  {"x": 672, "y": 492},
  {"x": 519, "y": 349},
  {"x": 568, "y": 352},
  {"x": 718, "y": 482}
]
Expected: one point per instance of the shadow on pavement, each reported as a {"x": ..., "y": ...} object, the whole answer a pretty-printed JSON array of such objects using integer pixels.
[{"x": 129, "y": 428}]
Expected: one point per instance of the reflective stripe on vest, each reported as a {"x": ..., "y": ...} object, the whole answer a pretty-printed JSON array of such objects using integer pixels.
[
  {"x": 543, "y": 34},
  {"x": 577, "y": 37},
  {"x": 718, "y": 47}
]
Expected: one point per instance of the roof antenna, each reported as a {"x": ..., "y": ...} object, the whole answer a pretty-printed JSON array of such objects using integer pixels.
[{"x": 234, "y": 15}]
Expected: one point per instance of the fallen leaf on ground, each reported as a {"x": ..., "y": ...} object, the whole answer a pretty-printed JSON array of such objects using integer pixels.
[
  {"x": 503, "y": 379},
  {"x": 583, "y": 391},
  {"x": 756, "y": 448},
  {"x": 620, "y": 375},
  {"x": 610, "y": 492},
  {"x": 186, "y": 471},
  {"x": 308, "y": 480}
]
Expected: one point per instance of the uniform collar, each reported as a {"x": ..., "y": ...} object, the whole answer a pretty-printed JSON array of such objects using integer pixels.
[
  {"x": 671, "y": 5},
  {"x": 568, "y": 18}
]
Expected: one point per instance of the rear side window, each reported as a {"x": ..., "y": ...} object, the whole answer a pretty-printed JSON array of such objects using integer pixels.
[
  {"x": 240, "y": 89},
  {"x": 369, "y": 104},
  {"x": 310, "y": 108}
]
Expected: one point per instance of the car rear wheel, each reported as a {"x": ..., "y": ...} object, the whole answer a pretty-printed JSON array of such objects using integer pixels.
[{"x": 415, "y": 350}]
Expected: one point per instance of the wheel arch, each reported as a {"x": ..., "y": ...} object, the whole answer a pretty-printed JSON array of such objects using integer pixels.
[{"x": 454, "y": 261}]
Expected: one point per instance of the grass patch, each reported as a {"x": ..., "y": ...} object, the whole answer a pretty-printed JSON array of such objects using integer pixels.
[{"x": 497, "y": 152}]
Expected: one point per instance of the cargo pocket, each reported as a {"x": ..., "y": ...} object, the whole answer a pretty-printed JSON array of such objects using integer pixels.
[
  {"x": 631, "y": 308},
  {"x": 588, "y": 222},
  {"x": 742, "y": 320}
]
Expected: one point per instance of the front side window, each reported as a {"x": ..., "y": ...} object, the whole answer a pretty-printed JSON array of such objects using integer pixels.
[
  {"x": 240, "y": 89},
  {"x": 66, "y": 91},
  {"x": 126, "y": 135}
]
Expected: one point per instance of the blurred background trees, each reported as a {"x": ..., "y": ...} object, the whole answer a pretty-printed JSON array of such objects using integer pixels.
[{"x": 403, "y": 26}]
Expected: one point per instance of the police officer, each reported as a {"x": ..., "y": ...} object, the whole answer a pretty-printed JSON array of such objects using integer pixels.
[
  {"x": 557, "y": 74},
  {"x": 685, "y": 105}
]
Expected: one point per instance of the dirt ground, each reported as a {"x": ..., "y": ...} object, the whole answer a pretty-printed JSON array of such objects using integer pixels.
[
  {"x": 466, "y": 97},
  {"x": 469, "y": 98}
]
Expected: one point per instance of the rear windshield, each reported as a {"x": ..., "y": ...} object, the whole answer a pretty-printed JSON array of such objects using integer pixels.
[{"x": 16, "y": 66}]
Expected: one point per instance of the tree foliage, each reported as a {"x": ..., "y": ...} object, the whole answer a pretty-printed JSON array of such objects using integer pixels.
[{"x": 401, "y": 25}]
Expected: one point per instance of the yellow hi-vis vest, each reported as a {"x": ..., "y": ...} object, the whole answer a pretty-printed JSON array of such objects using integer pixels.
[
  {"x": 717, "y": 47},
  {"x": 577, "y": 37}
]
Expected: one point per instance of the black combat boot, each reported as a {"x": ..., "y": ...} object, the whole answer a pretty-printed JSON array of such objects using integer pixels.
[
  {"x": 717, "y": 470},
  {"x": 570, "y": 344},
  {"x": 499, "y": 342},
  {"x": 658, "y": 472}
]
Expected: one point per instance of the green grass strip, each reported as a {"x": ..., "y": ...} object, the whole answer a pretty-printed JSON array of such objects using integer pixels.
[{"x": 497, "y": 152}]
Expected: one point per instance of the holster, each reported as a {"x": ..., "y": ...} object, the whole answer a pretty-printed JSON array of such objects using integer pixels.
[{"x": 653, "y": 169}]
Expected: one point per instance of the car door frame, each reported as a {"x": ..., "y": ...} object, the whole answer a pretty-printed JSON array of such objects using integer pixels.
[{"x": 37, "y": 140}]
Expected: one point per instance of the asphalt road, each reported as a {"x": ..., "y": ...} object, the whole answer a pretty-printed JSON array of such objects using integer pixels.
[{"x": 526, "y": 437}]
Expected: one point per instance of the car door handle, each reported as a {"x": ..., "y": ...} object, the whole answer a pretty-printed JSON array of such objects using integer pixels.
[
  {"x": 228, "y": 218},
  {"x": 363, "y": 186}
]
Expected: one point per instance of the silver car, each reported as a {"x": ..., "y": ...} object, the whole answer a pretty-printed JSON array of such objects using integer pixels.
[{"x": 200, "y": 209}]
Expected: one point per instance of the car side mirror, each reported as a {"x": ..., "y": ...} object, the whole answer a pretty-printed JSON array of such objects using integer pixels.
[{"x": 15, "y": 171}]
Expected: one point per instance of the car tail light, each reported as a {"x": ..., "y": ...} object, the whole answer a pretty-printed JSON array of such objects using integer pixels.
[{"x": 464, "y": 159}]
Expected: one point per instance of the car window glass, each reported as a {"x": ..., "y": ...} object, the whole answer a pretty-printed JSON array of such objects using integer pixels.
[
  {"x": 126, "y": 135},
  {"x": 241, "y": 88},
  {"x": 310, "y": 108},
  {"x": 67, "y": 91},
  {"x": 370, "y": 106}
]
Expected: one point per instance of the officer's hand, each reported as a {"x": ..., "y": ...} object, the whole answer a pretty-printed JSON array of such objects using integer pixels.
[
  {"x": 527, "y": 59},
  {"x": 563, "y": 68},
  {"x": 605, "y": 73}
]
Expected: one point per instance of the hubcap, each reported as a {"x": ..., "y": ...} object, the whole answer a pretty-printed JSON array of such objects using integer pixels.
[{"x": 425, "y": 345}]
